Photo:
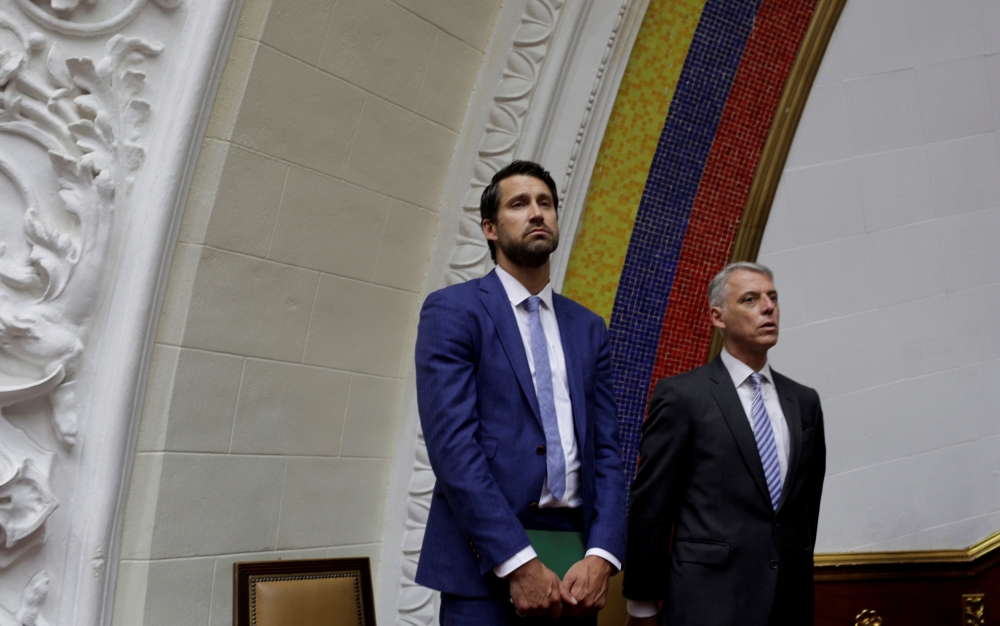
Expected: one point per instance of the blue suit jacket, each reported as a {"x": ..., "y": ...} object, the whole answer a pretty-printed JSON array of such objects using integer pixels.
[{"x": 482, "y": 425}]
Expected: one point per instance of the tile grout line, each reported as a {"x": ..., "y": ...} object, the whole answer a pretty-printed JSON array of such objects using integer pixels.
[{"x": 312, "y": 313}]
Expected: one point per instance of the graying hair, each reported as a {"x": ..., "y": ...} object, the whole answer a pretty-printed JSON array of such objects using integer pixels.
[{"x": 717, "y": 288}]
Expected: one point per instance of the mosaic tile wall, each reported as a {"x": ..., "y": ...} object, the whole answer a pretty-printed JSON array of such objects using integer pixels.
[{"x": 643, "y": 260}]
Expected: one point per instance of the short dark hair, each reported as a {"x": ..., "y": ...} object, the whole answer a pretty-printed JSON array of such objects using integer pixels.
[{"x": 489, "y": 203}]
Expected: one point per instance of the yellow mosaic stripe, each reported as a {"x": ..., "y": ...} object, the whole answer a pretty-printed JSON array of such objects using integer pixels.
[{"x": 627, "y": 150}]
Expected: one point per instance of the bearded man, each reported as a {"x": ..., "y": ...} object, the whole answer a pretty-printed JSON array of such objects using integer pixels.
[{"x": 514, "y": 389}]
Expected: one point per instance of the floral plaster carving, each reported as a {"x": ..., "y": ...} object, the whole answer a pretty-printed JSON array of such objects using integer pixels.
[
  {"x": 86, "y": 117},
  {"x": 32, "y": 599},
  {"x": 59, "y": 18}
]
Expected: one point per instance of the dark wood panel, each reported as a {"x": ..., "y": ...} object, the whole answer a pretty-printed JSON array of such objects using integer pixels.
[{"x": 911, "y": 594}]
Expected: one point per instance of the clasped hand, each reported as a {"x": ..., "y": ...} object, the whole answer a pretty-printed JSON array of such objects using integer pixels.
[{"x": 536, "y": 590}]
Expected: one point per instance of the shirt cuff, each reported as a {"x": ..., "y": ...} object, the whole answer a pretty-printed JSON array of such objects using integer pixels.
[
  {"x": 507, "y": 567},
  {"x": 607, "y": 556},
  {"x": 642, "y": 608}
]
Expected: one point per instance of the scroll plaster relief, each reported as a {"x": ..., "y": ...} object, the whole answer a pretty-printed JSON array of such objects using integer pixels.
[{"x": 74, "y": 136}]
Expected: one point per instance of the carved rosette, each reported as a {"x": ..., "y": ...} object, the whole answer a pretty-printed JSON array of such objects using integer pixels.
[{"x": 70, "y": 143}]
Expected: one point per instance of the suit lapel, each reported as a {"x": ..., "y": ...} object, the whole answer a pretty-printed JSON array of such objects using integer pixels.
[
  {"x": 495, "y": 300},
  {"x": 732, "y": 409},
  {"x": 790, "y": 407},
  {"x": 574, "y": 364}
]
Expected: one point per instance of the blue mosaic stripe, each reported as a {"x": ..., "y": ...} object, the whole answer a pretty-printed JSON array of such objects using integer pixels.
[{"x": 665, "y": 208}]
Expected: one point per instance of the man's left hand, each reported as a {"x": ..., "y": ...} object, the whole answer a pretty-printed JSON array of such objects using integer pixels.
[{"x": 584, "y": 588}]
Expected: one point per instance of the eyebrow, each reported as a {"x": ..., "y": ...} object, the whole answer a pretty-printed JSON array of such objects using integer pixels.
[{"x": 526, "y": 194}]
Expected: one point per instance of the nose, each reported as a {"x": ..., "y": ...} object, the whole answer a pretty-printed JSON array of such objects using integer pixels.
[{"x": 535, "y": 213}]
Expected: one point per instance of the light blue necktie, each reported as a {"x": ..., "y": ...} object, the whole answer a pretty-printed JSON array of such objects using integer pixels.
[
  {"x": 555, "y": 462},
  {"x": 764, "y": 435}
]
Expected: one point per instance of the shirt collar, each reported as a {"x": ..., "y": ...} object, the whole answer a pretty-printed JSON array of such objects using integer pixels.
[
  {"x": 740, "y": 371},
  {"x": 518, "y": 293}
]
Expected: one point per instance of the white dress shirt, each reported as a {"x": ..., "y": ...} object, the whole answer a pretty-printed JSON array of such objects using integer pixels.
[
  {"x": 518, "y": 296},
  {"x": 740, "y": 373}
]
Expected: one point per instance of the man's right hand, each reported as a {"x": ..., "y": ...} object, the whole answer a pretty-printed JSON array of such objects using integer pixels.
[
  {"x": 641, "y": 621},
  {"x": 534, "y": 589}
]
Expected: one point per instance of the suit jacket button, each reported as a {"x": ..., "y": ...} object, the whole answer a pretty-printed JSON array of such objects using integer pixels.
[
  {"x": 540, "y": 450},
  {"x": 774, "y": 565},
  {"x": 533, "y": 506}
]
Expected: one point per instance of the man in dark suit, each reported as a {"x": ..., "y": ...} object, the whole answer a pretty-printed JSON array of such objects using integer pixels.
[
  {"x": 514, "y": 389},
  {"x": 726, "y": 496}
]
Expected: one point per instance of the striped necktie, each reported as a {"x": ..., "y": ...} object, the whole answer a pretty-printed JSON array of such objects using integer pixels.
[
  {"x": 764, "y": 435},
  {"x": 555, "y": 461}
]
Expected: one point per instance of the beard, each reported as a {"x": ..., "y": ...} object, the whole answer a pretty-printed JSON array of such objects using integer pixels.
[{"x": 524, "y": 252}]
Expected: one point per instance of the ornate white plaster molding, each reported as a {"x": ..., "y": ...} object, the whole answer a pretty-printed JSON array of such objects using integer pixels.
[
  {"x": 92, "y": 178},
  {"x": 470, "y": 257},
  {"x": 559, "y": 68},
  {"x": 113, "y": 23}
]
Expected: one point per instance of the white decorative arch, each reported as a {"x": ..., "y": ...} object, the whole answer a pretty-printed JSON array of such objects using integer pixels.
[
  {"x": 94, "y": 175},
  {"x": 544, "y": 93}
]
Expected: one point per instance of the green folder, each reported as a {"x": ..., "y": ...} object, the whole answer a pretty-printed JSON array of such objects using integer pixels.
[{"x": 558, "y": 550}]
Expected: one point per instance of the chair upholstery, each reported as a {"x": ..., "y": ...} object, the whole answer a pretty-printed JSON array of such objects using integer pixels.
[{"x": 320, "y": 592}]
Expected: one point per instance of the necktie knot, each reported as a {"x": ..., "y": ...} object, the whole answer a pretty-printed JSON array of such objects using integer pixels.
[
  {"x": 533, "y": 302},
  {"x": 756, "y": 379}
]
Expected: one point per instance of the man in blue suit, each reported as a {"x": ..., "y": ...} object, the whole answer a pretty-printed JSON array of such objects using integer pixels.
[{"x": 514, "y": 388}]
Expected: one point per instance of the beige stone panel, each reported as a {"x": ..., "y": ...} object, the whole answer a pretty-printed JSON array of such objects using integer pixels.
[
  {"x": 140, "y": 505},
  {"x": 156, "y": 404},
  {"x": 246, "y": 207},
  {"x": 450, "y": 77},
  {"x": 472, "y": 22},
  {"x": 359, "y": 327},
  {"x": 329, "y": 502},
  {"x": 400, "y": 154},
  {"x": 379, "y": 47},
  {"x": 329, "y": 225},
  {"x": 290, "y": 409},
  {"x": 243, "y": 305},
  {"x": 406, "y": 246},
  {"x": 179, "y": 592},
  {"x": 253, "y": 16},
  {"x": 216, "y": 504},
  {"x": 371, "y": 550},
  {"x": 204, "y": 190},
  {"x": 296, "y": 112},
  {"x": 130, "y": 592},
  {"x": 203, "y": 402},
  {"x": 222, "y": 591},
  {"x": 232, "y": 88},
  {"x": 177, "y": 297},
  {"x": 370, "y": 426},
  {"x": 298, "y": 27}
]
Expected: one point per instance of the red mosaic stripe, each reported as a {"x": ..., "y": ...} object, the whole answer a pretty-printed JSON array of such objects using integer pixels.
[{"x": 778, "y": 32}]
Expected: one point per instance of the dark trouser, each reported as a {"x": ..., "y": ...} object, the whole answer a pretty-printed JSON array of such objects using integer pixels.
[{"x": 496, "y": 609}]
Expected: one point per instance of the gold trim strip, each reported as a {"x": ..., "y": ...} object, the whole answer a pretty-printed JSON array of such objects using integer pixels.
[
  {"x": 779, "y": 139},
  {"x": 968, "y": 555}
]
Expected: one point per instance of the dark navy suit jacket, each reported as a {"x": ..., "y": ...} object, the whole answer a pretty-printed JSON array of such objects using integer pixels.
[
  {"x": 482, "y": 426},
  {"x": 702, "y": 535}
]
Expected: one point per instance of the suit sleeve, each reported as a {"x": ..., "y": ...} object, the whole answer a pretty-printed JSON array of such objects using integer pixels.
[
  {"x": 446, "y": 358},
  {"x": 664, "y": 467},
  {"x": 607, "y": 530},
  {"x": 816, "y": 489}
]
